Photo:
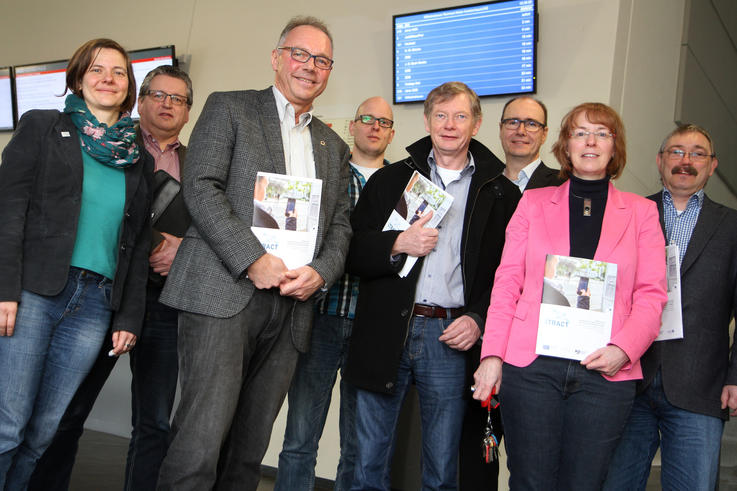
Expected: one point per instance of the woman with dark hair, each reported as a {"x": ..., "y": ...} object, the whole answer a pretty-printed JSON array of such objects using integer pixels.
[
  {"x": 563, "y": 418},
  {"x": 74, "y": 198}
]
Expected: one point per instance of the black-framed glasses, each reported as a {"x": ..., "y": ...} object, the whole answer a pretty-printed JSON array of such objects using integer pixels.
[
  {"x": 531, "y": 125},
  {"x": 303, "y": 56},
  {"x": 368, "y": 119},
  {"x": 697, "y": 156},
  {"x": 160, "y": 96}
]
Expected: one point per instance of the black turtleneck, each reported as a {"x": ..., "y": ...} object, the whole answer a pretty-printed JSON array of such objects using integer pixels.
[{"x": 586, "y": 230}]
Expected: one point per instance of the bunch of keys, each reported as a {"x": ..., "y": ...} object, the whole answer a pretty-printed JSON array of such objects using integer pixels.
[{"x": 490, "y": 445}]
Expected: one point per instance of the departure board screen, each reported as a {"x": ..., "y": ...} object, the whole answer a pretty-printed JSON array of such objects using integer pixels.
[
  {"x": 491, "y": 47},
  {"x": 40, "y": 86},
  {"x": 6, "y": 100}
]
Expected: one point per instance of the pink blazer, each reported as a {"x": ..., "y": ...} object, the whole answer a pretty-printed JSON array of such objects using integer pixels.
[{"x": 631, "y": 237}]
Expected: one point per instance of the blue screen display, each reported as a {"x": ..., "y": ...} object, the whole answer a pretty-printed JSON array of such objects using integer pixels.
[{"x": 488, "y": 46}]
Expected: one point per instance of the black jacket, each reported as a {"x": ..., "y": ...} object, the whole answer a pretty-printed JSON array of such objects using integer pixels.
[
  {"x": 694, "y": 369},
  {"x": 385, "y": 302},
  {"x": 40, "y": 199}
]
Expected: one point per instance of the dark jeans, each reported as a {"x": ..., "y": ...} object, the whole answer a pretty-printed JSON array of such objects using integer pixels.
[
  {"x": 154, "y": 367},
  {"x": 309, "y": 401},
  {"x": 234, "y": 376},
  {"x": 689, "y": 445},
  {"x": 439, "y": 372},
  {"x": 474, "y": 474},
  {"x": 154, "y": 385},
  {"x": 562, "y": 423}
]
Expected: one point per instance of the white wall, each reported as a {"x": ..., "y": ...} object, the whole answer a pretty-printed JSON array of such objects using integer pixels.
[{"x": 624, "y": 52}]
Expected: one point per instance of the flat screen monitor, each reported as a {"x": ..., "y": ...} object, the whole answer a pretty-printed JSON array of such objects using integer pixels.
[
  {"x": 490, "y": 46},
  {"x": 39, "y": 86},
  {"x": 145, "y": 60},
  {"x": 6, "y": 100}
]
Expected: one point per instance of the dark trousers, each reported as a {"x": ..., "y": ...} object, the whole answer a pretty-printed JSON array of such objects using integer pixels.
[
  {"x": 234, "y": 376},
  {"x": 154, "y": 368},
  {"x": 562, "y": 424},
  {"x": 474, "y": 474}
]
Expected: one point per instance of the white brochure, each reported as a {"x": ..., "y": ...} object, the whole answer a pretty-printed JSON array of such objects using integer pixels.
[
  {"x": 286, "y": 215},
  {"x": 671, "y": 323},
  {"x": 576, "y": 308},
  {"x": 419, "y": 197}
]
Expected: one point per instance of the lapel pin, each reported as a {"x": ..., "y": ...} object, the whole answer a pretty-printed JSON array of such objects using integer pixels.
[
  {"x": 65, "y": 134},
  {"x": 322, "y": 142}
]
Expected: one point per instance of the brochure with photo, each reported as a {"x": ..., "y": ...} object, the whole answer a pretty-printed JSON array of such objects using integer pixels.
[
  {"x": 286, "y": 214},
  {"x": 577, "y": 306},
  {"x": 419, "y": 197}
]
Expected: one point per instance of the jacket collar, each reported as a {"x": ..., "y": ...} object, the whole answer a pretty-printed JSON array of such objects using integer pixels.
[
  {"x": 488, "y": 166},
  {"x": 617, "y": 216}
]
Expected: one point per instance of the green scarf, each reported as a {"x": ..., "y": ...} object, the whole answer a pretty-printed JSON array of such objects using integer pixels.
[{"x": 114, "y": 146}]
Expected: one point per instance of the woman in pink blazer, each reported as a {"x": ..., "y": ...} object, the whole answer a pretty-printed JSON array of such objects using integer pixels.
[{"x": 563, "y": 418}]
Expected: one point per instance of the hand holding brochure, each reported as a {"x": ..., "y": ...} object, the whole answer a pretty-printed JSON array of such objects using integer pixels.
[
  {"x": 577, "y": 307},
  {"x": 286, "y": 214},
  {"x": 419, "y": 197}
]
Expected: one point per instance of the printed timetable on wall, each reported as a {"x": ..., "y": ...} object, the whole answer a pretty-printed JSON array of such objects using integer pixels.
[{"x": 489, "y": 46}]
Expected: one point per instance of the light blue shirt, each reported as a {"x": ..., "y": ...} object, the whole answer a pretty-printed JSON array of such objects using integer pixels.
[
  {"x": 441, "y": 279},
  {"x": 523, "y": 178}
]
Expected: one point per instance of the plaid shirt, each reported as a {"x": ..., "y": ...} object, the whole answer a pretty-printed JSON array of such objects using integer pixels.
[
  {"x": 342, "y": 297},
  {"x": 679, "y": 227}
]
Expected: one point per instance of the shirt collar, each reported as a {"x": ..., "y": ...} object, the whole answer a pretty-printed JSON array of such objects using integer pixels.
[
  {"x": 469, "y": 169},
  {"x": 697, "y": 198},
  {"x": 530, "y": 168},
  {"x": 149, "y": 138},
  {"x": 285, "y": 109}
]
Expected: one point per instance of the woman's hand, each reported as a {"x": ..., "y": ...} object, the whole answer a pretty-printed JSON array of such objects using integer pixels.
[
  {"x": 123, "y": 342},
  {"x": 8, "y": 310},
  {"x": 607, "y": 360},
  {"x": 488, "y": 375}
]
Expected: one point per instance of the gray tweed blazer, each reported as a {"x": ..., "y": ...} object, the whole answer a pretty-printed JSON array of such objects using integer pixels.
[{"x": 236, "y": 136}]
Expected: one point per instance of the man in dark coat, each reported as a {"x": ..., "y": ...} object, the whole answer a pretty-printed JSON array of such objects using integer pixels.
[
  {"x": 689, "y": 383},
  {"x": 418, "y": 328}
]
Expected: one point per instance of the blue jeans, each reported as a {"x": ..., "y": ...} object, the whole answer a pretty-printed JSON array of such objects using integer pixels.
[
  {"x": 439, "y": 372},
  {"x": 154, "y": 385},
  {"x": 309, "y": 401},
  {"x": 56, "y": 341},
  {"x": 562, "y": 423},
  {"x": 689, "y": 442}
]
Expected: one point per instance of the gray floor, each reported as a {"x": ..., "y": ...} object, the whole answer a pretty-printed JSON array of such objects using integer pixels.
[{"x": 101, "y": 466}]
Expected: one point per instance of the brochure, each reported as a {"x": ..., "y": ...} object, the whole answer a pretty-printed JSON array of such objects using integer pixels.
[
  {"x": 671, "y": 323},
  {"x": 577, "y": 306},
  {"x": 286, "y": 215},
  {"x": 419, "y": 197}
]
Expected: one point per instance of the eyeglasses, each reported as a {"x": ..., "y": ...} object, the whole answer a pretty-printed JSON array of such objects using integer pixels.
[
  {"x": 160, "y": 96},
  {"x": 530, "y": 125},
  {"x": 599, "y": 135},
  {"x": 368, "y": 119},
  {"x": 678, "y": 154},
  {"x": 303, "y": 56}
]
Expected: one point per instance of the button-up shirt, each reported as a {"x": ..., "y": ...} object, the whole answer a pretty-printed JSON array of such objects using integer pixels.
[
  {"x": 523, "y": 178},
  {"x": 167, "y": 159},
  {"x": 679, "y": 225},
  {"x": 296, "y": 138},
  {"x": 343, "y": 295},
  {"x": 441, "y": 278}
]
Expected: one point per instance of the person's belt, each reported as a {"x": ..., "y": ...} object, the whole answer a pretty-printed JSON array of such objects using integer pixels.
[{"x": 437, "y": 312}]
